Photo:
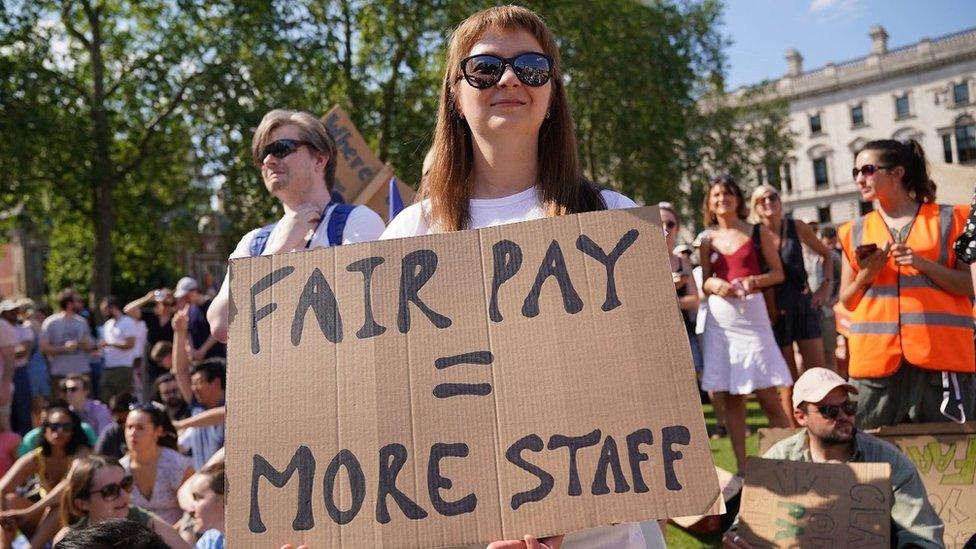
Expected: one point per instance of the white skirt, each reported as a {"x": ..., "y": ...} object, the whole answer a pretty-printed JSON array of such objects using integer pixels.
[{"x": 740, "y": 352}]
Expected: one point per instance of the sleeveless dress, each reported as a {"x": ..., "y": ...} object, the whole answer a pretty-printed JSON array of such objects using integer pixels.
[
  {"x": 741, "y": 354},
  {"x": 798, "y": 320}
]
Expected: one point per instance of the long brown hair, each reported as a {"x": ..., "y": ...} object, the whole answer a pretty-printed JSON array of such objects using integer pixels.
[
  {"x": 562, "y": 187},
  {"x": 909, "y": 155},
  {"x": 732, "y": 188},
  {"x": 80, "y": 479}
]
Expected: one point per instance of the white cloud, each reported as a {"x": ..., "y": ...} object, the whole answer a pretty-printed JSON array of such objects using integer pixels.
[{"x": 821, "y": 5}]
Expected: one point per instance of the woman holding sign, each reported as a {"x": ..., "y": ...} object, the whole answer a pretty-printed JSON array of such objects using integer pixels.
[
  {"x": 741, "y": 354},
  {"x": 505, "y": 151}
]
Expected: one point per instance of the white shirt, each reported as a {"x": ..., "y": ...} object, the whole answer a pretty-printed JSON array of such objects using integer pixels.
[
  {"x": 526, "y": 206},
  {"x": 25, "y": 336},
  {"x": 362, "y": 225},
  {"x": 116, "y": 332},
  {"x": 142, "y": 335}
]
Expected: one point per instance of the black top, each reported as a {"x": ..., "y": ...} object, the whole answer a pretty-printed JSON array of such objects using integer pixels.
[{"x": 791, "y": 254}]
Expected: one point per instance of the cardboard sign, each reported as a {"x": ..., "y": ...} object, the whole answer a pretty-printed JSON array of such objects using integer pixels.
[
  {"x": 799, "y": 504},
  {"x": 357, "y": 165},
  {"x": 462, "y": 388},
  {"x": 768, "y": 436},
  {"x": 945, "y": 455}
]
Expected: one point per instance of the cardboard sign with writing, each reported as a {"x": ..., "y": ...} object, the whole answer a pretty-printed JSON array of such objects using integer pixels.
[
  {"x": 357, "y": 166},
  {"x": 799, "y": 504},
  {"x": 768, "y": 436},
  {"x": 462, "y": 388},
  {"x": 945, "y": 455}
]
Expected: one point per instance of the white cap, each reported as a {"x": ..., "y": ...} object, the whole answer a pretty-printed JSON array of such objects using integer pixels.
[
  {"x": 815, "y": 383},
  {"x": 184, "y": 286},
  {"x": 8, "y": 305}
]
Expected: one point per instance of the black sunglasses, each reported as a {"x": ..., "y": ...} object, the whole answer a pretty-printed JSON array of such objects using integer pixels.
[
  {"x": 868, "y": 170},
  {"x": 67, "y": 427},
  {"x": 280, "y": 149},
  {"x": 70, "y": 388},
  {"x": 485, "y": 70},
  {"x": 831, "y": 411},
  {"x": 111, "y": 492},
  {"x": 670, "y": 225}
]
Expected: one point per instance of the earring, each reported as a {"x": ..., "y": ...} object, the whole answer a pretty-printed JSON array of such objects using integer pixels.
[{"x": 547, "y": 114}]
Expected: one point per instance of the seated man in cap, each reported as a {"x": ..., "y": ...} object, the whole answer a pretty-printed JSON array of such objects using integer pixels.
[{"x": 821, "y": 405}]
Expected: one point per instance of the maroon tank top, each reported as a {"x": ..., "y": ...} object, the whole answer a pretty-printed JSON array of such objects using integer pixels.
[{"x": 739, "y": 264}]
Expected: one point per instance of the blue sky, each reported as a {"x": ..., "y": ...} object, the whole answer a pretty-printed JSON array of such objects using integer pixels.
[{"x": 828, "y": 30}]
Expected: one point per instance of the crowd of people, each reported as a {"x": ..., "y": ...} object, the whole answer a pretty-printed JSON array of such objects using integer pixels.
[{"x": 760, "y": 292}]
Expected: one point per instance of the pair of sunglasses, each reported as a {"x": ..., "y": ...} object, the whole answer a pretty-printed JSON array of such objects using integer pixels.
[
  {"x": 66, "y": 427},
  {"x": 485, "y": 70},
  {"x": 831, "y": 411},
  {"x": 670, "y": 225},
  {"x": 868, "y": 170},
  {"x": 111, "y": 492},
  {"x": 70, "y": 388},
  {"x": 280, "y": 149}
]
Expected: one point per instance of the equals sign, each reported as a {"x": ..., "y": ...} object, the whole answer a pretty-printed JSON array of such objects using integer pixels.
[{"x": 446, "y": 390}]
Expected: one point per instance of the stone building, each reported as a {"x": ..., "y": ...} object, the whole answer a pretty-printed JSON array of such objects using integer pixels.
[{"x": 925, "y": 91}]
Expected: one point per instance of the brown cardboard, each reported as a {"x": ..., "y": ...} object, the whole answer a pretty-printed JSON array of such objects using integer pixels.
[
  {"x": 608, "y": 362},
  {"x": 800, "y": 504},
  {"x": 357, "y": 166},
  {"x": 768, "y": 436},
  {"x": 945, "y": 455},
  {"x": 731, "y": 485},
  {"x": 376, "y": 194}
]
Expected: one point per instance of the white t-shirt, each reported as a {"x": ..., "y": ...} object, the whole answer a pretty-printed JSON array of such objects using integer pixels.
[
  {"x": 25, "y": 336},
  {"x": 116, "y": 332},
  {"x": 526, "y": 206},
  {"x": 362, "y": 225},
  {"x": 142, "y": 334}
]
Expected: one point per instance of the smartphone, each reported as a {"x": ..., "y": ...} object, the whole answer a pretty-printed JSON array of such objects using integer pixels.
[{"x": 864, "y": 250}]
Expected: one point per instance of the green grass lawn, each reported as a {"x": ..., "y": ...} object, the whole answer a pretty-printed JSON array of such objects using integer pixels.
[{"x": 723, "y": 457}]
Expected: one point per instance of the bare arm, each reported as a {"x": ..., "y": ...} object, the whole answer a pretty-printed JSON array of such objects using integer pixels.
[
  {"x": 19, "y": 472},
  {"x": 181, "y": 359},
  {"x": 133, "y": 308},
  {"x": 219, "y": 312},
  {"x": 213, "y": 416},
  {"x": 853, "y": 284},
  {"x": 775, "y": 274},
  {"x": 954, "y": 281},
  {"x": 821, "y": 294},
  {"x": 168, "y": 533}
]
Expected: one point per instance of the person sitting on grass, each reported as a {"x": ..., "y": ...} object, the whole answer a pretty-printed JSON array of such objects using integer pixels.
[{"x": 822, "y": 406}]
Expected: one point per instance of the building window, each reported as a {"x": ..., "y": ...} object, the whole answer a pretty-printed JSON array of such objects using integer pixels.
[
  {"x": 966, "y": 142},
  {"x": 902, "y": 109},
  {"x": 787, "y": 178},
  {"x": 857, "y": 116},
  {"x": 820, "y": 172},
  {"x": 947, "y": 148},
  {"x": 867, "y": 207},
  {"x": 823, "y": 215},
  {"x": 815, "y": 126},
  {"x": 960, "y": 93}
]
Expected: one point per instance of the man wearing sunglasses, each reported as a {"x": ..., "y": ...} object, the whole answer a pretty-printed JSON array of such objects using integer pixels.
[
  {"x": 297, "y": 158},
  {"x": 822, "y": 406}
]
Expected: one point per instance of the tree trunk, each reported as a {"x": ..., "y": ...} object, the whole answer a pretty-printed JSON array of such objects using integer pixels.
[{"x": 103, "y": 170}]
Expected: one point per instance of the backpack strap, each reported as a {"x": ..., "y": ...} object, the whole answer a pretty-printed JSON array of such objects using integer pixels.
[
  {"x": 337, "y": 223},
  {"x": 261, "y": 239}
]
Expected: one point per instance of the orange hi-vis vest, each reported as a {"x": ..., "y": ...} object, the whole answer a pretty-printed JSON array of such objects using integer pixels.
[{"x": 904, "y": 315}]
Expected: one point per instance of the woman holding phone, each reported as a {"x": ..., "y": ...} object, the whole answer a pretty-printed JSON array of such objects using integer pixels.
[
  {"x": 911, "y": 337},
  {"x": 505, "y": 151}
]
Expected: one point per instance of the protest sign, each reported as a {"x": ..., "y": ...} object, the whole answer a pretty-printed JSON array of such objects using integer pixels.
[
  {"x": 361, "y": 177},
  {"x": 356, "y": 166},
  {"x": 945, "y": 455},
  {"x": 768, "y": 436},
  {"x": 802, "y": 504},
  {"x": 712, "y": 520},
  {"x": 463, "y": 387}
]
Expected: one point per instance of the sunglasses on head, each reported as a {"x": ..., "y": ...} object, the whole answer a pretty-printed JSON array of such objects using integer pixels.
[
  {"x": 485, "y": 70},
  {"x": 281, "y": 148},
  {"x": 868, "y": 170},
  {"x": 831, "y": 411},
  {"x": 66, "y": 427},
  {"x": 110, "y": 492}
]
